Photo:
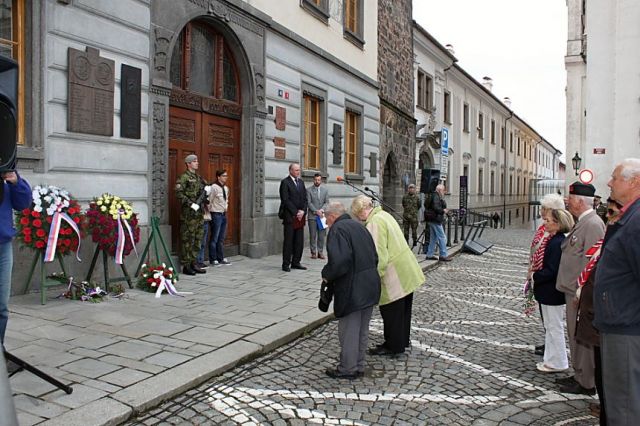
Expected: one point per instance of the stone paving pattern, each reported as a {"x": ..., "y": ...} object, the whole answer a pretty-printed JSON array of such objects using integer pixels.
[{"x": 471, "y": 363}]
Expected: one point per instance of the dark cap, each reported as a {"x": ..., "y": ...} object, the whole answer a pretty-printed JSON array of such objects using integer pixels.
[{"x": 584, "y": 189}]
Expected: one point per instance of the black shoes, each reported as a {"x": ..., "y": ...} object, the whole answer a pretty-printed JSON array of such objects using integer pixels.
[
  {"x": 186, "y": 269},
  {"x": 286, "y": 268},
  {"x": 566, "y": 381},
  {"x": 382, "y": 350},
  {"x": 445, "y": 259},
  {"x": 197, "y": 269},
  {"x": 539, "y": 350},
  {"x": 299, "y": 266},
  {"x": 576, "y": 388},
  {"x": 335, "y": 374}
]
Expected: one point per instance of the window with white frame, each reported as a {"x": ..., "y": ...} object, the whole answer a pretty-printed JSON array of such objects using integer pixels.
[{"x": 465, "y": 117}]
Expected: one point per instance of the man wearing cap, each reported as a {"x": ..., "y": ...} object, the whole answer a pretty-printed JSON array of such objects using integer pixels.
[
  {"x": 410, "y": 206},
  {"x": 616, "y": 298},
  {"x": 190, "y": 188},
  {"x": 588, "y": 229}
]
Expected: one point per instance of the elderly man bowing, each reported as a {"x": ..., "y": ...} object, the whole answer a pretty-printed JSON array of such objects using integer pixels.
[{"x": 352, "y": 271}]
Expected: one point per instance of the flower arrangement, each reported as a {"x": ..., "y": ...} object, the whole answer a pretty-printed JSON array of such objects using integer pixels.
[
  {"x": 113, "y": 225},
  {"x": 53, "y": 216},
  {"x": 153, "y": 276},
  {"x": 530, "y": 303}
]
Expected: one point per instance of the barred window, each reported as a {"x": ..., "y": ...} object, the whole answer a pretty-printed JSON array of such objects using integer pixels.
[
  {"x": 311, "y": 124},
  {"x": 352, "y": 136}
]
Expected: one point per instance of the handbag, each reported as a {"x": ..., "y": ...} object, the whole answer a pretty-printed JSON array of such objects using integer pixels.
[{"x": 326, "y": 295}]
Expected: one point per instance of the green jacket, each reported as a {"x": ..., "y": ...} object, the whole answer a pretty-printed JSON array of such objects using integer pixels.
[
  {"x": 398, "y": 268},
  {"x": 188, "y": 188}
]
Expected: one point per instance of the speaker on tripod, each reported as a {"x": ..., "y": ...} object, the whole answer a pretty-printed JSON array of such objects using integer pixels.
[
  {"x": 8, "y": 115},
  {"x": 429, "y": 180}
]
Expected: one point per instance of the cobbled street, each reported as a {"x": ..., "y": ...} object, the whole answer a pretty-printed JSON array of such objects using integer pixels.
[{"x": 471, "y": 363}]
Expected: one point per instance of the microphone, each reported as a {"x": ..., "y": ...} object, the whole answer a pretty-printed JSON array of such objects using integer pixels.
[{"x": 341, "y": 179}]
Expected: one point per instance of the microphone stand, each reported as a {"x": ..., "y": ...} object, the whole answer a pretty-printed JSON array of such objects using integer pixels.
[{"x": 374, "y": 196}]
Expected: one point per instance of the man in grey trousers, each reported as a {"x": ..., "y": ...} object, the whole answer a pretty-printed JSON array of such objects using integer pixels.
[
  {"x": 353, "y": 276},
  {"x": 317, "y": 199},
  {"x": 588, "y": 229}
]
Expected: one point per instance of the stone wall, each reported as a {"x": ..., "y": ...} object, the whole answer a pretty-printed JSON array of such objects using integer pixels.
[{"x": 395, "y": 76}]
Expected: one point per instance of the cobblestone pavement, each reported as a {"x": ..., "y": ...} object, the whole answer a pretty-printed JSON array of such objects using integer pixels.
[{"x": 471, "y": 363}]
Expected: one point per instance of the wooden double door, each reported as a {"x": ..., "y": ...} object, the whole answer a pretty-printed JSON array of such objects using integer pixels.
[{"x": 216, "y": 142}]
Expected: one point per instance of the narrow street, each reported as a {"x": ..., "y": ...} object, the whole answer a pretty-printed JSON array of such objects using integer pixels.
[{"x": 471, "y": 363}]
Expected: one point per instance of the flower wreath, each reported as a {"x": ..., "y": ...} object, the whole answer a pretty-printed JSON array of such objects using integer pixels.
[
  {"x": 113, "y": 225},
  {"x": 53, "y": 223},
  {"x": 158, "y": 279}
]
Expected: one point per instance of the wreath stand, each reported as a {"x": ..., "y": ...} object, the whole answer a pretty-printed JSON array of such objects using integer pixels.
[
  {"x": 105, "y": 264},
  {"x": 153, "y": 238},
  {"x": 44, "y": 281}
]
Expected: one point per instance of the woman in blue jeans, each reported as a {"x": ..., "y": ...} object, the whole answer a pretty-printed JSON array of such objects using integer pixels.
[
  {"x": 435, "y": 212},
  {"x": 218, "y": 205},
  {"x": 15, "y": 194}
]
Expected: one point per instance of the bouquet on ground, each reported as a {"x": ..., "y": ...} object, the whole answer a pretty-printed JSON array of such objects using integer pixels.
[
  {"x": 157, "y": 279},
  {"x": 54, "y": 223},
  {"x": 530, "y": 303},
  {"x": 113, "y": 226}
]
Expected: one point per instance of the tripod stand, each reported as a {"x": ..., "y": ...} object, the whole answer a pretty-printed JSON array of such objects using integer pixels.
[
  {"x": 423, "y": 240},
  {"x": 30, "y": 368}
]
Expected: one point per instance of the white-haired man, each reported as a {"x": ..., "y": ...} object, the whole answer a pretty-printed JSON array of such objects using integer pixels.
[
  {"x": 435, "y": 210},
  {"x": 589, "y": 229},
  {"x": 617, "y": 299}
]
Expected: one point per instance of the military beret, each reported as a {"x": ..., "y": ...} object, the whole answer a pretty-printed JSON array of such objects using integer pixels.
[
  {"x": 579, "y": 188},
  {"x": 190, "y": 158},
  {"x": 411, "y": 185}
]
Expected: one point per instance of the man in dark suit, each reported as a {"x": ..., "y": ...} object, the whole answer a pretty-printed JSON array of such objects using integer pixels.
[{"x": 293, "y": 205}]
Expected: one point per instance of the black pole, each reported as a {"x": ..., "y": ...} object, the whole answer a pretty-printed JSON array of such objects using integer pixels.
[{"x": 44, "y": 376}]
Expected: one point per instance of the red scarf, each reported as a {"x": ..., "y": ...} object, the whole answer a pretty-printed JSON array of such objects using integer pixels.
[
  {"x": 537, "y": 258},
  {"x": 594, "y": 255}
]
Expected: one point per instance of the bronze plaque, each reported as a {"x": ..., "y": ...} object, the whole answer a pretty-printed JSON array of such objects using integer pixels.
[
  {"x": 280, "y": 142},
  {"x": 130, "y": 101},
  {"x": 280, "y": 153},
  {"x": 281, "y": 118},
  {"x": 90, "y": 102}
]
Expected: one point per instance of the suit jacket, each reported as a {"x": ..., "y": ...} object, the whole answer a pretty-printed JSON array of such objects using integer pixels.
[
  {"x": 292, "y": 199},
  {"x": 582, "y": 237},
  {"x": 316, "y": 199}
]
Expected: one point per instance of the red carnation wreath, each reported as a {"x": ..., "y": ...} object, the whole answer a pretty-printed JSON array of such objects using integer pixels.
[
  {"x": 103, "y": 215},
  {"x": 33, "y": 224}
]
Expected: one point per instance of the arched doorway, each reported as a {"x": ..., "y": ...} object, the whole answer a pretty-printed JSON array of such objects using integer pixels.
[
  {"x": 391, "y": 189},
  {"x": 205, "y": 118}
]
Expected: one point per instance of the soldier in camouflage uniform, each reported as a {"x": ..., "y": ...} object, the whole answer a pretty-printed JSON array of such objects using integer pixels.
[
  {"x": 601, "y": 209},
  {"x": 410, "y": 205},
  {"x": 189, "y": 189}
]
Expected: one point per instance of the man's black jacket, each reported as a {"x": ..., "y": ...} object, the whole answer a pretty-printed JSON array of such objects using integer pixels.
[{"x": 352, "y": 268}]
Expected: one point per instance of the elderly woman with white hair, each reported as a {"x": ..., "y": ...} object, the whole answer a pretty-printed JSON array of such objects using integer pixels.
[
  {"x": 548, "y": 203},
  {"x": 399, "y": 272}
]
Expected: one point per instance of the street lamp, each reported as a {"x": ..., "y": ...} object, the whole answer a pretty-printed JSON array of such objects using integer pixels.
[{"x": 576, "y": 160}]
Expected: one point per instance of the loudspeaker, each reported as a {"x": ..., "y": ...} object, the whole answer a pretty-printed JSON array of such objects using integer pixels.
[
  {"x": 8, "y": 115},
  {"x": 429, "y": 181}
]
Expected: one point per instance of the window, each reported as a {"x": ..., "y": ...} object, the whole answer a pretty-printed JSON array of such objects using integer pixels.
[
  {"x": 493, "y": 132},
  {"x": 425, "y": 91},
  {"x": 318, "y": 8},
  {"x": 518, "y": 146},
  {"x": 480, "y": 181},
  {"x": 465, "y": 170},
  {"x": 502, "y": 187},
  {"x": 202, "y": 63},
  {"x": 510, "y": 140},
  {"x": 524, "y": 150},
  {"x": 465, "y": 117},
  {"x": 524, "y": 186},
  {"x": 12, "y": 45},
  {"x": 447, "y": 107},
  {"x": 510, "y": 184},
  {"x": 481, "y": 125},
  {"x": 503, "y": 136},
  {"x": 353, "y": 135},
  {"x": 353, "y": 17},
  {"x": 517, "y": 186},
  {"x": 311, "y": 133},
  {"x": 511, "y": 145},
  {"x": 493, "y": 182}
]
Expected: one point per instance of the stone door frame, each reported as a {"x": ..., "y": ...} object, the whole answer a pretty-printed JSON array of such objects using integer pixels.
[{"x": 245, "y": 36}]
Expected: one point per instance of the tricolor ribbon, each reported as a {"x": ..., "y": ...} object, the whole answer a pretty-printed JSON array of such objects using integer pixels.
[
  {"x": 594, "y": 255},
  {"x": 122, "y": 238},
  {"x": 52, "y": 240},
  {"x": 166, "y": 284}
]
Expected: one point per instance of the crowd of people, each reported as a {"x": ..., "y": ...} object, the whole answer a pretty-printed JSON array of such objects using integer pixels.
[{"x": 585, "y": 270}]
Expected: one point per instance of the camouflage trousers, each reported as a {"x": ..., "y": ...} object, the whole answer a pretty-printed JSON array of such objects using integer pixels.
[
  {"x": 413, "y": 224},
  {"x": 191, "y": 233}
]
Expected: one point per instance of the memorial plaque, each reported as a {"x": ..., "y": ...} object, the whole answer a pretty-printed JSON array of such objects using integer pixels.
[
  {"x": 281, "y": 118},
  {"x": 130, "y": 101},
  {"x": 90, "y": 99}
]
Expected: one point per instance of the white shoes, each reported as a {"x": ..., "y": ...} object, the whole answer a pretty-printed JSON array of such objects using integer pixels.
[
  {"x": 541, "y": 366},
  {"x": 222, "y": 262}
]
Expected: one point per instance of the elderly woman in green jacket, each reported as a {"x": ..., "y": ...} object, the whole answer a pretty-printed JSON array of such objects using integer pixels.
[{"x": 399, "y": 271}]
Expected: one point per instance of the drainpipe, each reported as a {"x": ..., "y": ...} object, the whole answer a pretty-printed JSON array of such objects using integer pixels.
[{"x": 506, "y": 170}]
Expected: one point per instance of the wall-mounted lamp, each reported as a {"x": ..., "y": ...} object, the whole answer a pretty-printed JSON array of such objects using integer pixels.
[{"x": 576, "y": 161}]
